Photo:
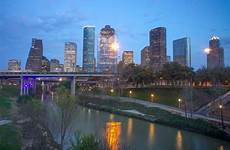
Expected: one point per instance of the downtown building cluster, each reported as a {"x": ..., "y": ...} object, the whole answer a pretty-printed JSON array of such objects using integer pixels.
[{"x": 152, "y": 56}]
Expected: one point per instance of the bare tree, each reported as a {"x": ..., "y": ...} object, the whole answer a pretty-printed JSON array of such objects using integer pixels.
[{"x": 66, "y": 106}]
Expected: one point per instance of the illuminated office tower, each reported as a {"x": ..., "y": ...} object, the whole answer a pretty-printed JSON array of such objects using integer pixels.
[
  {"x": 34, "y": 60},
  {"x": 107, "y": 59},
  {"x": 157, "y": 47},
  {"x": 182, "y": 51},
  {"x": 14, "y": 65},
  {"x": 70, "y": 56},
  {"x": 127, "y": 57},
  {"x": 215, "y": 58},
  {"x": 88, "y": 49}
]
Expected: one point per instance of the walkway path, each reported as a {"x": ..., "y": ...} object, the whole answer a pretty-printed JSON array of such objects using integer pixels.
[
  {"x": 4, "y": 122},
  {"x": 224, "y": 99}
]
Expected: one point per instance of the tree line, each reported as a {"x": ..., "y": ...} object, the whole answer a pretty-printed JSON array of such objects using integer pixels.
[{"x": 173, "y": 74}]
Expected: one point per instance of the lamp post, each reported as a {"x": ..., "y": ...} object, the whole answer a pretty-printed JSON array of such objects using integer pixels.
[
  {"x": 179, "y": 102},
  {"x": 221, "y": 115},
  {"x": 152, "y": 97},
  {"x": 112, "y": 91},
  {"x": 130, "y": 93}
]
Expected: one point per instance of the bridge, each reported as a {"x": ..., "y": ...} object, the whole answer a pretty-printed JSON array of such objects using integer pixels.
[{"x": 28, "y": 79}]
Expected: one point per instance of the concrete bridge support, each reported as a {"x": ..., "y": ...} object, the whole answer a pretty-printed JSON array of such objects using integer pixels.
[
  {"x": 21, "y": 86},
  {"x": 73, "y": 86}
]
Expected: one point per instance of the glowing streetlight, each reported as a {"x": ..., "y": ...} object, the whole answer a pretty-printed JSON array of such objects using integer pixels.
[
  {"x": 221, "y": 115},
  {"x": 179, "y": 102},
  {"x": 152, "y": 96},
  {"x": 112, "y": 90},
  {"x": 207, "y": 50},
  {"x": 60, "y": 79},
  {"x": 130, "y": 93}
]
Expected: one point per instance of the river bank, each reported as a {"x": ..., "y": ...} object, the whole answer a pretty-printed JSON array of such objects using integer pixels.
[{"x": 155, "y": 115}]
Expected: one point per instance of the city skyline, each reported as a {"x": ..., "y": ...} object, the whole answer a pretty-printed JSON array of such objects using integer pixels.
[{"x": 131, "y": 35}]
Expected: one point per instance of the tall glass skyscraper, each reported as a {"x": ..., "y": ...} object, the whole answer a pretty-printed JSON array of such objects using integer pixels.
[
  {"x": 182, "y": 51},
  {"x": 70, "y": 57},
  {"x": 107, "y": 61},
  {"x": 34, "y": 60},
  {"x": 157, "y": 47},
  {"x": 88, "y": 49},
  {"x": 215, "y": 58}
]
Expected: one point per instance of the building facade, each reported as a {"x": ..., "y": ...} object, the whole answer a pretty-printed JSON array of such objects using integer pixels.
[
  {"x": 34, "y": 60},
  {"x": 88, "y": 49},
  {"x": 182, "y": 51},
  {"x": 55, "y": 65},
  {"x": 70, "y": 53},
  {"x": 215, "y": 58},
  {"x": 127, "y": 57},
  {"x": 14, "y": 65},
  {"x": 146, "y": 57},
  {"x": 45, "y": 64},
  {"x": 157, "y": 47},
  {"x": 107, "y": 58}
]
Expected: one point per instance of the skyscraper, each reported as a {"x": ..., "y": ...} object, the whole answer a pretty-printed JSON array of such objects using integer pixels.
[
  {"x": 107, "y": 61},
  {"x": 157, "y": 47},
  {"x": 34, "y": 60},
  {"x": 215, "y": 57},
  {"x": 45, "y": 64},
  {"x": 127, "y": 57},
  {"x": 88, "y": 49},
  {"x": 14, "y": 65},
  {"x": 182, "y": 51},
  {"x": 145, "y": 57},
  {"x": 55, "y": 65},
  {"x": 70, "y": 56}
]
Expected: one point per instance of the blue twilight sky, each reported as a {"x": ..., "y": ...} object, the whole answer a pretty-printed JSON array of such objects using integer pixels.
[{"x": 58, "y": 21}]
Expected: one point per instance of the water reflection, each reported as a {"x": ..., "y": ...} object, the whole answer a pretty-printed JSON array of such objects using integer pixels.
[
  {"x": 111, "y": 117},
  {"x": 151, "y": 133},
  {"x": 129, "y": 128},
  {"x": 179, "y": 140},
  {"x": 221, "y": 147},
  {"x": 113, "y": 133}
]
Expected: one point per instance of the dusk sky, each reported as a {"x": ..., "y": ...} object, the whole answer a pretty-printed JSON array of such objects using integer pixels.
[{"x": 60, "y": 21}]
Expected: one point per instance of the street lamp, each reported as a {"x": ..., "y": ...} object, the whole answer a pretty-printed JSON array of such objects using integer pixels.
[
  {"x": 130, "y": 93},
  {"x": 221, "y": 115},
  {"x": 112, "y": 90},
  {"x": 152, "y": 96},
  {"x": 179, "y": 102},
  {"x": 60, "y": 79}
]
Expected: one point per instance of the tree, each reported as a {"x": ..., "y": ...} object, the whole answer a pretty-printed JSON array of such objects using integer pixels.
[{"x": 66, "y": 109}]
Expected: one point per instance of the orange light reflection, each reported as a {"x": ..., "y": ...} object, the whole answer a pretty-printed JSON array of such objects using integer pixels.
[{"x": 113, "y": 133}]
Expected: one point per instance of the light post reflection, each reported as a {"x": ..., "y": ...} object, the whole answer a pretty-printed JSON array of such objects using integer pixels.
[
  {"x": 111, "y": 117},
  {"x": 129, "y": 128},
  {"x": 113, "y": 133},
  {"x": 179, "y": 140},
  {"x": 151, "y": 133}
]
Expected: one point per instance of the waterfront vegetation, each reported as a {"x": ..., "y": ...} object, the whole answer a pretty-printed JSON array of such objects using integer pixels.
[
  {"x": 160, "y": 116},
  {"x": 9, "y": 138},
  {"x": 169, "y": 96}
]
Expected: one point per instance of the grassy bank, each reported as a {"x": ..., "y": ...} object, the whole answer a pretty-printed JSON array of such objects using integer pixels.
[
  {"x": 160, "y": 116},
  {"x": 9, "y": 138},
  {"x": 5, "y": 106},
  {"x": 169, "y": 96}
]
